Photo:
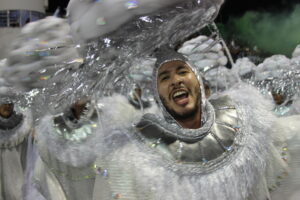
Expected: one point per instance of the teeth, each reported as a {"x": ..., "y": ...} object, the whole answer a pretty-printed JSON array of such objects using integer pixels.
[{"x": 176, "y": 94}]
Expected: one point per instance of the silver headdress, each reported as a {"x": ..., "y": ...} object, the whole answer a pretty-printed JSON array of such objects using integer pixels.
[
  {"x": 278, "y": 75},
  {"x": 170, "y": 127},
  {"x": 166, "y": 54},
  {"x": 113, "y": 51}
]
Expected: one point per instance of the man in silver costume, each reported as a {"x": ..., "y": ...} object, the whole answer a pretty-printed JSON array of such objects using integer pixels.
[
  {"x": 226, "y": 153},
  {"x": 225, "y": 148},
  {"x": 64, "y": 168},
  {"x": 16, "y": 126}
]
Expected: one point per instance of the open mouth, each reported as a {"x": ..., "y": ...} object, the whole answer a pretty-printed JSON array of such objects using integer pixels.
[{"x": 180, "y": 97}]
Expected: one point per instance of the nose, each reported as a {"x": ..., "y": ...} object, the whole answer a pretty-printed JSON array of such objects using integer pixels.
[{"x": 176, "y": 80}]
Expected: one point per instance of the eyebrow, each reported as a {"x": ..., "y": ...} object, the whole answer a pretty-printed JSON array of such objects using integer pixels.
[
  {"x": 181, "y": 67},
  {"x": 167, "y": 72},
  {"x": 163, "y": 73}
]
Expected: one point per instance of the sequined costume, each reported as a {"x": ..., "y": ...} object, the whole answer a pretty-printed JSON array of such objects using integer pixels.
[
  {"x": 287, "y": 186},
  {"x": 15, "y": 129},
  {"x": 232, "y": 156},
  {"x": 64, "y": 168},
  {"x": 278, "y": 78}
]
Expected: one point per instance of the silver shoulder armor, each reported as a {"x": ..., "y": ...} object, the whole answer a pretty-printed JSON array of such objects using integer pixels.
[{"x": 219, "y": 139}]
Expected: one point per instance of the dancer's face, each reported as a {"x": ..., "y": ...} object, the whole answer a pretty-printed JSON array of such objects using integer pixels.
[
  {"x": 6, "y": 110},
  {"x": 179, "y": 89},
  {"x": 137, "y": 94},
  {"x": 278, "y": 98},
  {"x": 78, "y": 108}
]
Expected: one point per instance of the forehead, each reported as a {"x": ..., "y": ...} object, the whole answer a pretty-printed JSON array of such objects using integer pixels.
[{"x": 172, "y": 65}]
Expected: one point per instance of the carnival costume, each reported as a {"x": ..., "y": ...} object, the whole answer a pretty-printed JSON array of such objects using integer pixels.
[
  {"x": 119, "y": 152},
  {"x": 232, "y": 156},
  {"x": 15, "y": 131},
  {"x": 65, "y": 164}
]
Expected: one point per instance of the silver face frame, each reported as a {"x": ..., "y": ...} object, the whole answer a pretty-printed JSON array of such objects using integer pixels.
[{"x": 166, "y": 114}]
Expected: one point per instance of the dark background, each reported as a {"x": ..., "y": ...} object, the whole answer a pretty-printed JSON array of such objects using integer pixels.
[
  {"x": 230, "y": 7},
  {"x": 237, "y": 8},
  {"x": 54, "y": 4}
]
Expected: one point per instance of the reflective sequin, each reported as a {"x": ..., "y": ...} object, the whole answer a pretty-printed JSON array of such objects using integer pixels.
[
  {"x": 131, "y": 4},
  {"x": 101, "y": 21}
]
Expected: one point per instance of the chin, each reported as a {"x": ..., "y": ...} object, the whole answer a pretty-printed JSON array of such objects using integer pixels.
[
  {"x": 184, "y": 114},
  {"x": 188, "y": 108}
]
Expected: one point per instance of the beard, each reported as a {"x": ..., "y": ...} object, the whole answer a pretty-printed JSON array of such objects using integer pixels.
[{"x": 185, "y": 115}]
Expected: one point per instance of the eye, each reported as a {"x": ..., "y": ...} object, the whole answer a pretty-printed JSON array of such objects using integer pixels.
[
  {"x": 183, "y": 72},
  {"x": 164, "y": 78}
]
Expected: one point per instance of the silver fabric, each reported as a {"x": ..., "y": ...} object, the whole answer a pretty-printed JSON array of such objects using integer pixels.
[
  {"x": 56, "y": 180},
  {"x": 277, "y": 75},
  {"x": 173, "y": 130},
  {"x": 47, "y": 184},
  {"x": 145, "y": 169},
  {"x": 10, "y": 132},
  {"x": 136, "y": 101},
  {"x": 287, "y": 185},
  {"x": 72, "y": 146},
  {"x": 216, "y": 140},
  {"x": 13, "y": 148},
  {"x": 110, "y": 57},
  {"x": 225, "y": 159},
  {"x": 65, "y": 167},
  {"x": 12, "y": 172}
]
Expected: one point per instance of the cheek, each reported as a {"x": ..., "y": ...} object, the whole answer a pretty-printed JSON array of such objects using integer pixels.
[
  {"x": 162, "y": 90},
  {"x": 193, "y": 82}
]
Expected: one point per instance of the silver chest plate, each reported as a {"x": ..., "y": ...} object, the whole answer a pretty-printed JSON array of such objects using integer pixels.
[{"x": 218, "y": 141}]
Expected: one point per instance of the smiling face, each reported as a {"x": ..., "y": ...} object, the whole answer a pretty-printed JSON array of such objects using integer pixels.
[{"x": 179, "y": 89}]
